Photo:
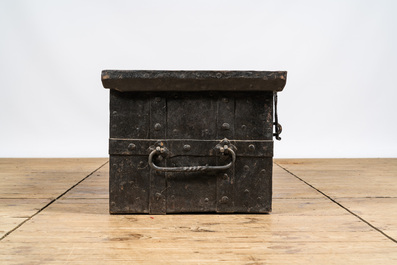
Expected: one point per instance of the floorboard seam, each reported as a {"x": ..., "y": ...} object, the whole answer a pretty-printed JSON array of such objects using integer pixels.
[
  {"x": 339, "y": 204},
  {"x": 51, "y": 202}
]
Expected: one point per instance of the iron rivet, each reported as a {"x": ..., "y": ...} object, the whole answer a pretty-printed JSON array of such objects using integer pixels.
[
  {"x": 172, "y": 197},
  {"x": 114, "y": 112},
  {"x": 246, "y": 191},
  {"x": 226, "y": 100},
  {"x": 225, "y": 176},
  {"x": 186, "y": 147},
  {"x": 224, "y": 199},
  {"x": 225, "y": 126},
  {"x": 141, "y": 163},
  {"x": 218, "y": 75},
  {"x": 263, "y": 171},
  {"x": 157, "y": 126},
  {"x": 259, "y": 198},
  {"x": 131, "y": 146},
  {"x": 206, "y": 200},
  {"x": 251, "y": 147},
  {"x": 243, "y": 127},
  {"x": 158, "y": 195},
  {"x": 246, "y": 168},
  {"x": 157, "y": 99}
]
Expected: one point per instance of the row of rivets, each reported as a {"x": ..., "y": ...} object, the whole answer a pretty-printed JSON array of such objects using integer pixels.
[
  {"x": 225, "y": 126},
  {"x": 224, "y": 199},
  {"x": 187, "y": 148},
  {"x": 158, "y": 195}
]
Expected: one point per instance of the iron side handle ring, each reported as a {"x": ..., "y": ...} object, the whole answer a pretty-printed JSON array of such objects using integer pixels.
[{"x": 192, "y": 168}]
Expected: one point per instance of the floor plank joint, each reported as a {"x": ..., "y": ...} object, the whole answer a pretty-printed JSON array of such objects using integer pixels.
[
  {"x": 340, "y": 205},
  {"x": 51, "y": 202}
]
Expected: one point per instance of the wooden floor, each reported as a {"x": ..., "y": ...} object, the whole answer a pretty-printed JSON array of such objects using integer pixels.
[{"x": 331, "y": 211}]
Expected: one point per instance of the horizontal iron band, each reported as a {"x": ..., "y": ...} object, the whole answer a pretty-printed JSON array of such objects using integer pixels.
[{"x": 184, "y": 147}]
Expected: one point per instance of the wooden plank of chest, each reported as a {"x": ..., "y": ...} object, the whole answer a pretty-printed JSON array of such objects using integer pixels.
[
  {"x": 129, "y": 175},
  {"x": 225, "y": 180},
  {"x": 158, "y": 120},
  {"x": 191, "y": 116},
  {"x": 254, "y": 116}
]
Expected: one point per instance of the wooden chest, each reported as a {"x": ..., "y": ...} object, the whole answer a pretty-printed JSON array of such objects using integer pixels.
[{"x": 192, "y": 141}]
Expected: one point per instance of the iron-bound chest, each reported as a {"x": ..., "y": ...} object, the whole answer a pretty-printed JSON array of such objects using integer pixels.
[{"x": 191, "y": 141}]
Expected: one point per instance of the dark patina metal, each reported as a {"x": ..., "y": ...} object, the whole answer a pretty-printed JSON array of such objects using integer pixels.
[{"x": 192, "y": 141}]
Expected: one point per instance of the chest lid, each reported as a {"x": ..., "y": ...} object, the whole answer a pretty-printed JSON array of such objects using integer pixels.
[{"x": 150, "y": 80}]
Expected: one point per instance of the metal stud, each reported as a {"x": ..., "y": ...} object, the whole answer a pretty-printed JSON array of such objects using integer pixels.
[
  {"x": 251, "y": 147},
  {"x": 224, "y": 199},
  {"x": 186, "y": 147},
  {"x": 157, "y": 126},
  {"x": 131, "y": 146},
  {"x": 225, "y": 126}
]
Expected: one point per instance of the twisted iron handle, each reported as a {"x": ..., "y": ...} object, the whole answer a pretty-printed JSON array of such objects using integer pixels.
[{"x": 227, "y": 150}]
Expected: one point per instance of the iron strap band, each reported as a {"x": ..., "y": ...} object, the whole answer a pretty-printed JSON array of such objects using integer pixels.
[{"x": 186, "y": 147}]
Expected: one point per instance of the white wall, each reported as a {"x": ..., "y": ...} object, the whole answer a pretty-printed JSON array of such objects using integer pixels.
[{"x": 341, "y": 58}]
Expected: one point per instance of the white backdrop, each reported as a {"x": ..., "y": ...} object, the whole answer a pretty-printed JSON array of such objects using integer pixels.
[{"x": 341, "y": 58}]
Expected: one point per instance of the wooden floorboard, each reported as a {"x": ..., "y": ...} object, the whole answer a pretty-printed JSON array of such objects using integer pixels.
[
  {"x": 366, "y": 187},
  {"x": 28, "y": 185},
  {"x": 315, "y": 220}
]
